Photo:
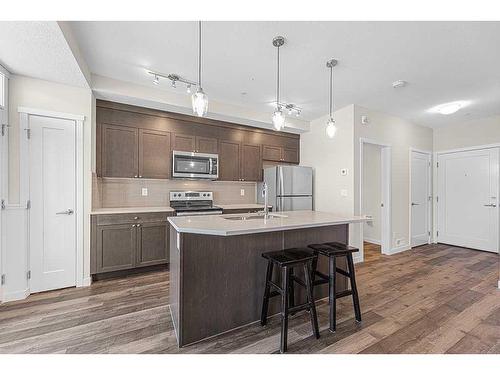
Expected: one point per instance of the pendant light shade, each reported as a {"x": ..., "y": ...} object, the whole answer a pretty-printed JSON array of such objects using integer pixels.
[
  {"x": 331, "y": 128},
  {"x": 278, "y": 119},
  {"x": 278, "y": 116},
  {"x": 199, "y": 99}
]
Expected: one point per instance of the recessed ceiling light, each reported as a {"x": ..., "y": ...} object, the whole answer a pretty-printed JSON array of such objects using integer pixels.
[
  {"x": 399, "y": 83},
  {"x": 449, "y": 108}
]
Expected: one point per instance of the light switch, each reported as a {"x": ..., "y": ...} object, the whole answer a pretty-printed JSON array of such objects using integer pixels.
[
  {"x": 343, "y": 192},
  {"x": 242, "y": 192},
  {"x": 144, "y": 192}
]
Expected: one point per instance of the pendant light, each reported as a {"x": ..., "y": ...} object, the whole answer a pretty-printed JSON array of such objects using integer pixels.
[
  {"x": 331, "y": 128},
  {"x": 199, "y": 99},
  {"x": 278, "y": 116}
]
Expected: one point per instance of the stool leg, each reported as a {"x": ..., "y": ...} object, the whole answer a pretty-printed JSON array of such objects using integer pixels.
[
  {"x": 310, "y": 300},
  {"x": 332, "y": 266},
  {"x": 314, "y": 267},
  {"x": 285, "y": 278},
  {"x": 265, "y": 302},
  {"x": 355, "y": 298},
  {"x": 291, "y": 298}
]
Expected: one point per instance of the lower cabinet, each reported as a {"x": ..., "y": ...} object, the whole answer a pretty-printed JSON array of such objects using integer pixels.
[{"x": 123, "y": 241}]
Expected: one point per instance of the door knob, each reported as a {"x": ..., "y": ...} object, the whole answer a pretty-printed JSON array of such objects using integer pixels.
[
  {"x": 490, "y": 205},
  {"x": 414, "y": 204},
  {"x": 69, "y": 211}
]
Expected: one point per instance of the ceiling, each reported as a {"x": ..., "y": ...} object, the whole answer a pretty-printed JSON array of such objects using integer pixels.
[{"x": 38, "y": 49}]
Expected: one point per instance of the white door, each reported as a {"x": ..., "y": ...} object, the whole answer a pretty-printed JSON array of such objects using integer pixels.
[
  {"x": 468, "y": 199},
  {"x": 420, "y": 198},
  {"x": 52, "y": 195}
]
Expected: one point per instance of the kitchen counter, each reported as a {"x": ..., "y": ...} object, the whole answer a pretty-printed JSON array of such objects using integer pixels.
[
  {"x": 129, "y": 210},
  {"x": 222, "y": 225},
  {"x": 242, "y": 206},
  {"x": 217, "y": 272}
]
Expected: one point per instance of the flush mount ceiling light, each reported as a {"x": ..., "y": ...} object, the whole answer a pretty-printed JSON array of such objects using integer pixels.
[
  {"x": 331, "y": 128},
  {"x": 199, "y": 99},
  {"x": 449, "y": 108}
]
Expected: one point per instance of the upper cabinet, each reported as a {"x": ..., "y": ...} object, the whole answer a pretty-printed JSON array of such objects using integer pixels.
[{"x": 136, "y": 142}]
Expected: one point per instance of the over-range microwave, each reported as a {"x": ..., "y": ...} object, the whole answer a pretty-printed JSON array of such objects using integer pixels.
[{"x": 195, "y": 165}]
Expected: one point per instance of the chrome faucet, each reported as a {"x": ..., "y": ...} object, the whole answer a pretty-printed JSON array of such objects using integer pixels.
[{"x": 266, "y": 201}]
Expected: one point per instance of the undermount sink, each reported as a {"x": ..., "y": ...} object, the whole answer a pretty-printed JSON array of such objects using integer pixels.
[{"x": 254, "y": 217}]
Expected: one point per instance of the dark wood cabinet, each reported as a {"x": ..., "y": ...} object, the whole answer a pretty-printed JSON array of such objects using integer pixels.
[
  {"x": 207, "y": 145},
  {"x": 128, "y": 241},
  {"x": 251, "y": 162},
  {"x": 152, "y": 240},
  {"x": 229, "y": 161},
  {"x": 137, "y": 142},
  {"x": 120, "y": 153},
  {"x": 154, "y": 154},
  {"x": 183, "y": 142},
  {"x": 116, "y": 247}
]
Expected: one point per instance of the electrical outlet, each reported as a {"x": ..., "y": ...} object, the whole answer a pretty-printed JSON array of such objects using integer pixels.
[
  {"x": 144, "y": 192},
  {"x": 242, "y": 192}
]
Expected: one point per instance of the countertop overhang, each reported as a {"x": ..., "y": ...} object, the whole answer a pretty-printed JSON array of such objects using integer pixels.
[{"x": 218, "y": 225}]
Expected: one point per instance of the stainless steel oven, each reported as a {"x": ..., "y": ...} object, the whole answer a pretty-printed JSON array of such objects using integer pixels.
[{"x": 195, "y": 165}]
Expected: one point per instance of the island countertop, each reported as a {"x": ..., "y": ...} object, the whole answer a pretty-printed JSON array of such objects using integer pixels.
[{"x": 220, "y": 225}]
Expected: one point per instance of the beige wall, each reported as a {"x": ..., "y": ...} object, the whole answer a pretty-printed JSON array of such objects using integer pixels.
[
  {"x": 44, "y": 95},
  {"x": 372, "y": 192},
  {"x": 467, "y": 134},
  {"x": 327, "y": 157},
  {"x": 401, "y": 135}
]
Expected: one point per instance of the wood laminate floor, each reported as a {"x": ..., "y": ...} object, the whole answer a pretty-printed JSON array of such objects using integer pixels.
[
  {"x": 371, "y": 251},
  {"x": 434, "y": 299}
]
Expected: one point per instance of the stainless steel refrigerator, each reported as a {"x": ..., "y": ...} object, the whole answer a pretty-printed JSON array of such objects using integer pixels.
[{"x": 290, "y": 188}]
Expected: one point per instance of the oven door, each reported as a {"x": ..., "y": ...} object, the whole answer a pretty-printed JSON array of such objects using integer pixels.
[{"x": 194, "y": 165}]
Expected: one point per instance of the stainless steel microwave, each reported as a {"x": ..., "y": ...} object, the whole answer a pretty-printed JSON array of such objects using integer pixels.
[{"x": 195, "y": 165}]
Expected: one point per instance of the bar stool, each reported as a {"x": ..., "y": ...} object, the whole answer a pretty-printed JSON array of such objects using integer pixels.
[
  {"x": 287, "y": 260},
  {"x": 334, "y": 250}
]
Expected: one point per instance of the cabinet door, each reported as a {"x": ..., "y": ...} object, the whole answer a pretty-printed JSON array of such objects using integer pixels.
[
  {"x": 120, "y": 152},
  {"x": 183, "y": 142},
  {"x": 116, "y": 247},
  {"x": 207, "y": 145},
  {"x": 154, "y": 154},
  {"x": 152, "y": 243},
  {"x": 251, "y": 162},
  {"x": 272, "y": 153},
  {"x": 291, "y": 155},
  {"x": 229, "y": 161}
]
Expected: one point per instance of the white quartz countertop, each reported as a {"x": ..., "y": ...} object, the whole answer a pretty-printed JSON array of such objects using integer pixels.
[
  {"x": 129, "y": 210},
  {"x": 218, "y": 225}
]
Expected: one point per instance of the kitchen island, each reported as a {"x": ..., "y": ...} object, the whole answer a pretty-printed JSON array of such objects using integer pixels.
[{"x": 217, "y": 273}]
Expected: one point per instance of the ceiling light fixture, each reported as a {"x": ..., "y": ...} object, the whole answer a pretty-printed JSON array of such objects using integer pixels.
[
  {"x": 331, "y": 128},
  {"x": 174, "y": 78},
  {"x": 199, "y": 99},
  {"x": 449, "y": 108},
  {"x": 399, "y": 83},
  {"x": 278, "y": 117}
]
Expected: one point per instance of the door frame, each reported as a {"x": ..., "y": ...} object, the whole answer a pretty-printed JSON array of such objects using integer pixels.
[
  {"x": 4, "y": 160},
  {"x": 386, "y": 181},
  {"x": 436, "y": 186},
  {"x": 429, "y": 189},
  {"x": 24, "y": 124}
]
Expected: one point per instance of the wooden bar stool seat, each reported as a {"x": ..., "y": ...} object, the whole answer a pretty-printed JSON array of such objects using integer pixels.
[
  {"x": 287, "y": 260},
  {"x": 334, "y": 250}
]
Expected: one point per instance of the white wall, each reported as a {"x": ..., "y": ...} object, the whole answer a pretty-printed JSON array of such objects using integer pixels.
[
  {"x": 39, "y": 94},
  {"x": 401, "y": 135},
  {"x": 372, "y": 192},
  {"x": 467, "y": 134}
]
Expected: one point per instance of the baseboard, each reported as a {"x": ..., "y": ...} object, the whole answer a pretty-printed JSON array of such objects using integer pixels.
[
  {"x": 498, "y": 284},
  {"x": 16, "y": 296},
  {"x": 87, "y": 281},
  {"x": 357, "y": 259},
  {"x": 398, "y": 249},
  {"x": 370, "y": 240}
]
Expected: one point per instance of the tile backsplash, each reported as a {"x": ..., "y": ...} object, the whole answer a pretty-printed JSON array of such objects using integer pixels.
[{"x": 127, "y": 192}]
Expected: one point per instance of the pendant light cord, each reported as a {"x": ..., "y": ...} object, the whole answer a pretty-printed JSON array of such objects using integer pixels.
[
  {"x": 199, "y": 55},
  {"x": 331, "y": 91},
  {"x": 278, "y": 82}
]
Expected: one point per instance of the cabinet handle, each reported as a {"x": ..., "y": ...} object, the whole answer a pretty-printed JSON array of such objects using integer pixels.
[
  {"x": 136, "y": 217},
  {"x": 140, "y": 176},
  {"x": 133, "y": 225},
  {"x": 138, "y": 225},
  {"x": 136, "y": 176}
]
